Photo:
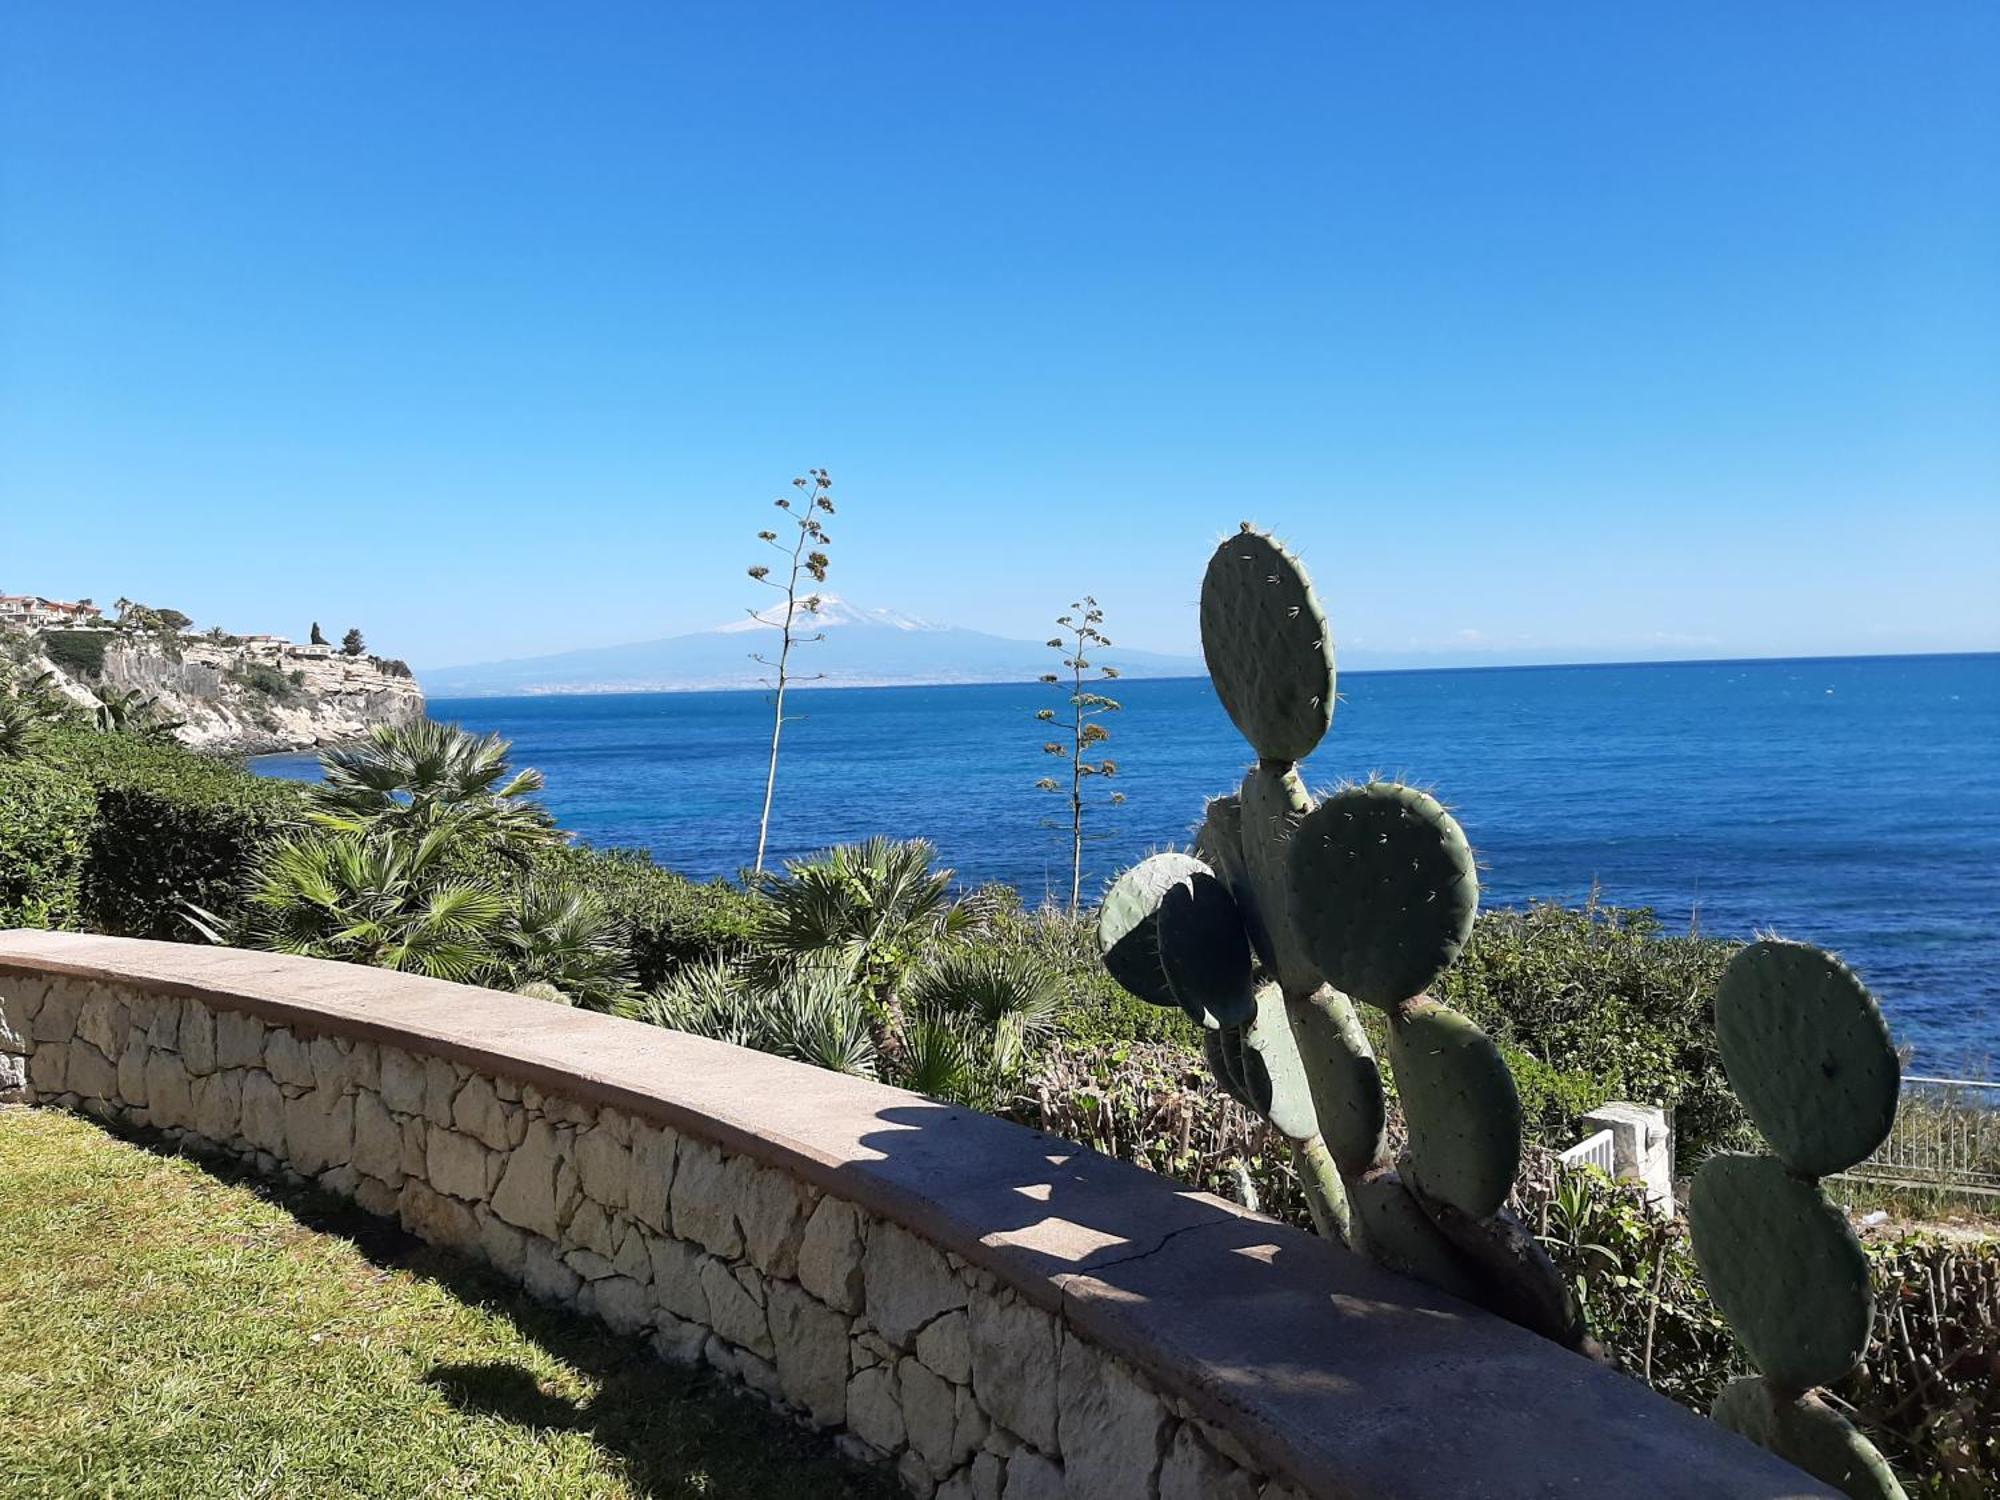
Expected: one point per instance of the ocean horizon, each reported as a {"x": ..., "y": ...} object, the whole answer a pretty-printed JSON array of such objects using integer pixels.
[{"x": 1851, "y": 801}]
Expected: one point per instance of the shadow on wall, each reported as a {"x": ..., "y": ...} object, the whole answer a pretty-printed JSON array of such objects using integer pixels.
[
  {"x": 678, "y": 1432},
  {"x": 1343, "y": 1356}
]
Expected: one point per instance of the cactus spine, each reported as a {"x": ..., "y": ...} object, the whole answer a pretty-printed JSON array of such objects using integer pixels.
[
  {"x": 1807, "y": 1052},
  {"x": 1368, "y": 896}
]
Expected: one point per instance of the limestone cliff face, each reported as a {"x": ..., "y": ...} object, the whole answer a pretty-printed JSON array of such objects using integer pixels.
[{"x": 253, "y": 699}]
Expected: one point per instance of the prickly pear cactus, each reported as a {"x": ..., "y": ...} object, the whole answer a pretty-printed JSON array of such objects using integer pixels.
[
  {"x": 1368, "y": 896},
  {"x": 1807, "y": 1052}
]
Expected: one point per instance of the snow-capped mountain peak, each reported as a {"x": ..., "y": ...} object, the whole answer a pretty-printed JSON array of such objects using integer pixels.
[{"x": 833, "y": 611}]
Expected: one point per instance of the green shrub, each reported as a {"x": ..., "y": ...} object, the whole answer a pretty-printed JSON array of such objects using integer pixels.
[
  {"x": 1612, "y": 1004},
  {"x": 45, "y": 818},
  {"x": 170, "y": 828},
  {"x": 77, "y": 652},
  {"x": 267, "y": 681},
  {"x": 670, "y": 922}
]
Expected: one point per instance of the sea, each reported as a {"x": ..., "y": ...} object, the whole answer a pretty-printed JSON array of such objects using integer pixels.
[{"x": 1851, "y": 802}]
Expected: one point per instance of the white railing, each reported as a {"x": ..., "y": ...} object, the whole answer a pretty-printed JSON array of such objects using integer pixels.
[
  {"x": 1946, "y": 1135},
  {"x": 1594, "y": 1151}
]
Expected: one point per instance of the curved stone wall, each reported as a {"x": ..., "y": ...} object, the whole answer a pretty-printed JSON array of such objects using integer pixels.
[{"x": 998, "y": 1313}]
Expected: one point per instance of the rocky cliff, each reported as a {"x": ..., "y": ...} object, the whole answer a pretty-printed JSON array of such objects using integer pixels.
[{"x": 244, "y": 698}]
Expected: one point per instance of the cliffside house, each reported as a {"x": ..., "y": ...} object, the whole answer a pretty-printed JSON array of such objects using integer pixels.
[{"x": 38, "y": 613}]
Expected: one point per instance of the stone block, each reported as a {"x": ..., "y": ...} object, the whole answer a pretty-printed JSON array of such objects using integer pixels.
[
  {"x": 1014, "y": 1347},
  {"x": 402, "y": 1081},
  {"x": 54, "y": 1020},
  {"x": 908, "y": 1283},
  {"x": 945, "y": 1345},
  {"x": 545, "y": 1275},
  {"x": 875, "y": 1409},
  {"x": 48, "y": 1069},
  {"x": 91, "y": 1073},
  {"x": 736, "y": 1306},
  {"x": 456, "y": 1164},
  {"x": 930, "y": 1413},
  {"x": 1112, "y": 1430},
  {"x": 168, "y": 1100},
  {"x": 378, "y": 1140},
  {"x": 1031, "y": 1476},
  {"x": 811, "y": 1343},
  {"x": 286, "y": 1058},
  {"x": 132, "y": 1069},
  {"x": 677, "y": 1280},
  {"x": 830, "y": 1255},
  {"x": 478, "y": 1112},
  {"x": 1194, "y": 1471},
  {"x": 102, "y": 1021},
  {"x": 603, "y": 1166},
  {"x": 526, "y": 1196},
  {"x": 440, "y": 1086},
  {"x": 773, "y": 1212},
  {"x": 319, "y": 1133},
  {"x": 625, "y": 1305},
  {"x": 703, "y": 1199},
  {"x": 590, "y": 1227},
  {"x": 744, "y": 1367},
  {"x": 239, "y": 1040},
  {"x": 218, "y": 1105},
  {"x": 437, "y": 1219},
  {"x": 678, "y": 1341},
  {"x": 198, "y": 1049},
  {"x": 162, "y": 1022},
  {"x": 504, "y": 1247},
  {"x": 377, "y": 1196}
]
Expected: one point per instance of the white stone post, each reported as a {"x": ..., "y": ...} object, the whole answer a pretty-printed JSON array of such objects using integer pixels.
[{"x": 1642, "y": 1147}]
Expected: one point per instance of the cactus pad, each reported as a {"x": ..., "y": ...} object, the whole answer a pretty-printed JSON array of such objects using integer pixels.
[
  {"x": 1268, "y": 646},
  {"x": 1463, "y": 1111},
  {"x": 1398, "y": 1233},
  {"x": 1128, "y": 924},
  {"x": 1809, "y": 1055},
  {"x": 1517, "y": 1279},
  {"x": 1272, "y": 1074},
  {"x": 1219, "y": 841},
  {"x": 1809, "y": 1433},
  {"x": 1345, "y": 1080},
  {"x": 1383, "y": 891},
  {"x": 1204, "y": 952},
  {"x": 1223, "y": 1048},
  {"x": 1784, "y": 1268},
  {"x": 1273, "y": 803}
]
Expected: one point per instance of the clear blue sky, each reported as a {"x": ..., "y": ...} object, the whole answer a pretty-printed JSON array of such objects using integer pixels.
[{"x": 1579, "y": 331}]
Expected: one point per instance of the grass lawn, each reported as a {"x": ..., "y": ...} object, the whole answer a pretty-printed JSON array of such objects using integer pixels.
[{"x": 169, "y": 1332}]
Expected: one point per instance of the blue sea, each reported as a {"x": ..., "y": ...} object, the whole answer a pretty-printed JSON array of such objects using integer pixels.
[{"x": 1851, "y": 802}]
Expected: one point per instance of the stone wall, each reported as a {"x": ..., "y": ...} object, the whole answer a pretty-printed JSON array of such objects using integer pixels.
[{"x": 788, "y": 1269}]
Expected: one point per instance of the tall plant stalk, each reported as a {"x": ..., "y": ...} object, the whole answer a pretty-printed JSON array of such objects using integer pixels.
[
  {"x": 804, "y": 556},
  {"x": 1081, "y": 635}
]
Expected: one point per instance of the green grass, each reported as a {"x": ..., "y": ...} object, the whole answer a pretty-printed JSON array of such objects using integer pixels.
[{"x": 170, "y": 1331}]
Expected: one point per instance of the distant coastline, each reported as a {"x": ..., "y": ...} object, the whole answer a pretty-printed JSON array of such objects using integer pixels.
[{"x": 629, "y": 690}]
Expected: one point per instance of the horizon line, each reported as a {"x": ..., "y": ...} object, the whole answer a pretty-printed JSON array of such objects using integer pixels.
[{"x": 1539, "y": 666}]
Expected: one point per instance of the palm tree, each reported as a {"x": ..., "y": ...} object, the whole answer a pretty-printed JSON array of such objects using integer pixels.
[
  {"x": 24, "y": 726},
  {"x": 412, "y": 778},
  {"x": 129, "y": 711},
  {"x": 872, "y": 912},
  {"x": 559, "y": 936},
  {"x": 810, "y": 1015},
  {"x": 385, "y": 900}
]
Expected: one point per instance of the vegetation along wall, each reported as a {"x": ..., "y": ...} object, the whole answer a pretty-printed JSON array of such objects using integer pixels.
[{"x": 997, "y": 1313}]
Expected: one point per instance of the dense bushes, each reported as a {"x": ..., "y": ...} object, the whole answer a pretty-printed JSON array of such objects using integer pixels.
[
  {"x": 45, "y": 818},
  {"x": 78, "y": 652},
  {"x": 670, "y": 922},
  {"x": 166, "y": 828},
  {"x": 1607, "y": 1006}
]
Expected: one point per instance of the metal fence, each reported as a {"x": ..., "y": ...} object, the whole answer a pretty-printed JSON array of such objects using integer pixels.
[{"x": 1946, "y": 1136}]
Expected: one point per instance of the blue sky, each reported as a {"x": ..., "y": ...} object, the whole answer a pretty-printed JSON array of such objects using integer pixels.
[{"x": 1564, "y": 331}]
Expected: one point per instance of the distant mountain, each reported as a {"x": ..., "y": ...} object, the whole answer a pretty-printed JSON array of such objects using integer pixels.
[{"x": 863, "y": 648}]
